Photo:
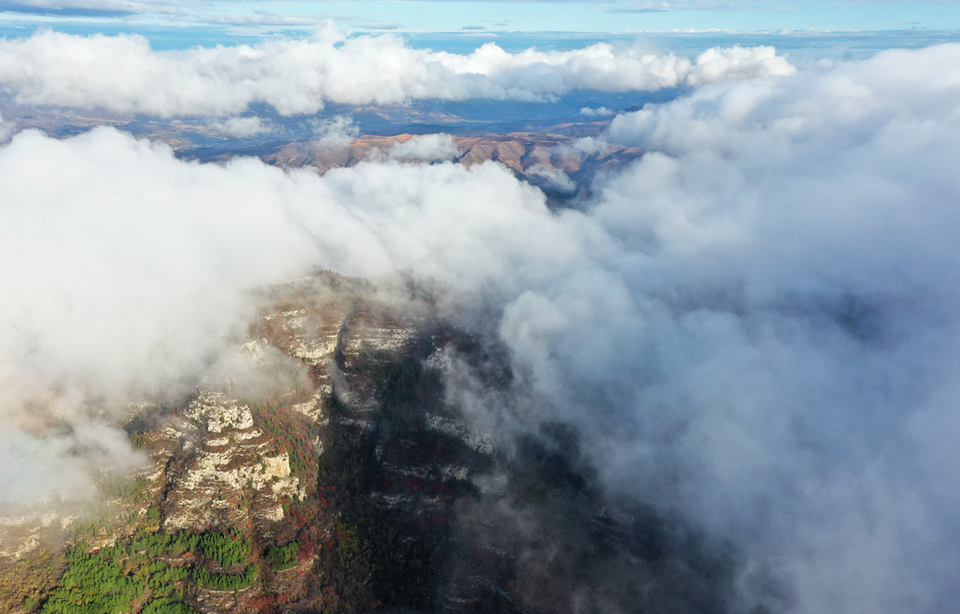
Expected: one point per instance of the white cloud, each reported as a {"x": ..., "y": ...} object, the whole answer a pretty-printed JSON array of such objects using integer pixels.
[
  {"x": 38, "y": 469},
  {"x": 795, "y": 234},
  {"x": 337, "y": 131},
  {"x": 123, "y": 271},
  {"x": 122, "y": 73},
  {"x": 110, "y": 246},
  {"x": 240, "y": 126},
  {"x": 126, "y": 271},
  {"x": 426, "y": 148},
  {"x": 755, "y": 325},
  {"x": 259, "y": 19},
  {"x": 598, "y": 112},
  {"x": 581, "y": 147},
  {"x": 552, "y": 178}
]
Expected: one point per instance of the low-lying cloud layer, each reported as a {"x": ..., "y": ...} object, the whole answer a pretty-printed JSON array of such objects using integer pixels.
[
  {"x": 123, "y": 272},
  {"x": 755, "y": 326},
  {"x": 123, "y": 74}
]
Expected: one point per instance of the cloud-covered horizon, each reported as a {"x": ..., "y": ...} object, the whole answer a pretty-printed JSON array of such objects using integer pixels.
[
  {"x": 299, "y": 76},
  {"x": 755, "y": 326}
]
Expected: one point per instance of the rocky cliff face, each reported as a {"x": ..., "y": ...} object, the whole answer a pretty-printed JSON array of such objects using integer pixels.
[
  {"x": 337, "y": 475},
  {"x": 316, "y": 452},
  {"x": 215, "y": 459}
]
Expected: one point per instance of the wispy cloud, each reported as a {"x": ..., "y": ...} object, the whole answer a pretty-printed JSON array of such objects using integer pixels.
[
  {"x": 259, "y": 19},
  {"x": 379, "y": 26},
  {"x": 241, "y": 126},
  {"x": 68, "y": 8},
  {"x": 635, "y": 11}
]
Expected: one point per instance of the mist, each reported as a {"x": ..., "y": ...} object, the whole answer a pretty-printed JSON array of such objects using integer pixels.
[{"x": 754, "y": 327}]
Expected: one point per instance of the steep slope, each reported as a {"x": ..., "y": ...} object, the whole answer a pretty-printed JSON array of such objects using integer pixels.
[
  {"x": 276, "y": 460},
  {"x": 332, "y": 473}
]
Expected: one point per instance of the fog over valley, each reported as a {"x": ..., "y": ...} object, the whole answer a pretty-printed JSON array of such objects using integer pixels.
[{"x": 694, "y": 353}]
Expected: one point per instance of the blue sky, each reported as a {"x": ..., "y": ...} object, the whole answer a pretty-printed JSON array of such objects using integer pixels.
[
  {"x": 175, "y": 24},
  {"x": 616, "y": 16}
]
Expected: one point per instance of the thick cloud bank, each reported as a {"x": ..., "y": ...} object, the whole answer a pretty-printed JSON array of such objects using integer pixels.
[
  {"x": 790, "y": 244},
  {"x": 121, "y": 73},
  {"x": 123, "y": 272},
  {"x": 756, "y": 326}
]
